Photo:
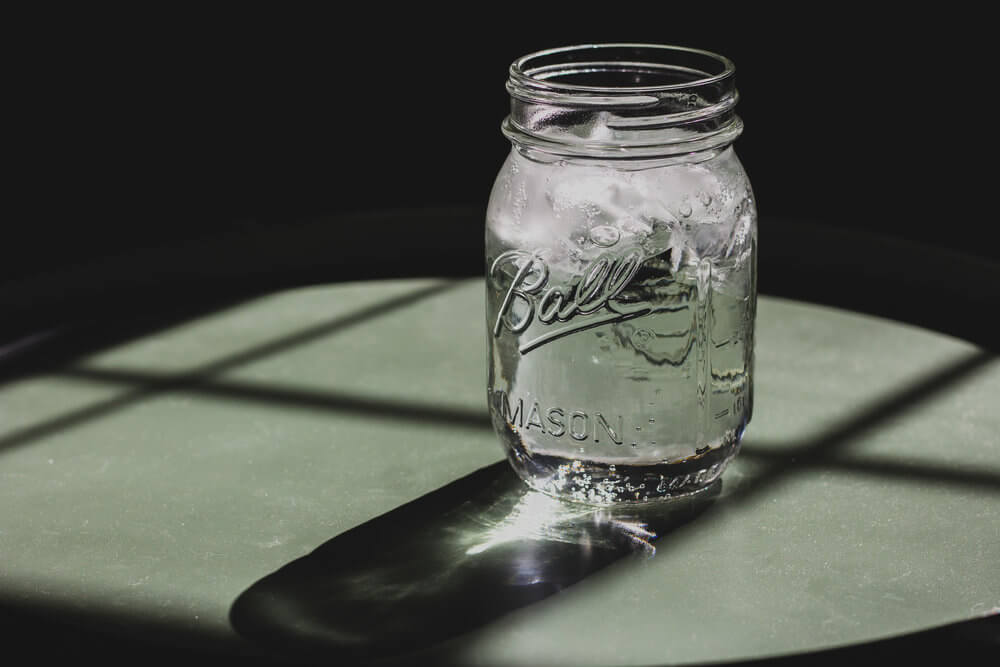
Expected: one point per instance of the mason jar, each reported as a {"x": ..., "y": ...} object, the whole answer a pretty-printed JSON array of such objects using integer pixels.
[{"x": 621, "y": 239}]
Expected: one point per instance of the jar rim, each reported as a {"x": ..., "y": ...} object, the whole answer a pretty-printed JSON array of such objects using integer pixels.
[
  {"x": 539, "y": 79},
  {"x": 622, "y": 100}
]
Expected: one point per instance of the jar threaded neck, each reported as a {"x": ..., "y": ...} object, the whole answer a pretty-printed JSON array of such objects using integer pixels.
[{"x": 622, "y": 101}]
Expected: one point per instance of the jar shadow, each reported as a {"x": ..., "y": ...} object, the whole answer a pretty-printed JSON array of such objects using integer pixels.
[{"x": 444, "y": 564}]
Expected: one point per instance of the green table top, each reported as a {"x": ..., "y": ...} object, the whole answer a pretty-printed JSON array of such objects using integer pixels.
[{"x": 203, "y": 481}]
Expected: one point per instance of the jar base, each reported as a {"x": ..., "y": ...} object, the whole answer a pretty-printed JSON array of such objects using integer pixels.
[{"x": 602, "y": 483}]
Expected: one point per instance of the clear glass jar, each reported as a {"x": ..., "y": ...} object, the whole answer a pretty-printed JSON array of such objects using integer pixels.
[{"x": 621, "y": 273}]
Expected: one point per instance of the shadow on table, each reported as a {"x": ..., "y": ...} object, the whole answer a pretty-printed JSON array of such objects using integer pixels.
[{"x": 446, "y": 563}]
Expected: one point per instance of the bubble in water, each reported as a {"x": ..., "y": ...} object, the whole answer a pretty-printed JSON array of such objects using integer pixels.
[
  {"x": 604, "y": 236},
  {"x": 685, "y": 210},
  {"x": 704, "y": 198},
  {"x": 641, "y": 338},
  {"x": 660, "y": 236}
]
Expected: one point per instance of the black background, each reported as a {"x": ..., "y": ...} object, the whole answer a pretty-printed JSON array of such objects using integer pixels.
[{"x": 138, "y": 135}]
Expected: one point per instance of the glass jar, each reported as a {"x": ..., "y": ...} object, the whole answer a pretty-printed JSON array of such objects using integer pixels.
[{"x": 621, "y": 273}]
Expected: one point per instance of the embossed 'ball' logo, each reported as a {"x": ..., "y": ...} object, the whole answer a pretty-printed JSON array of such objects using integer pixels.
[{"x": 596, "y": 288}]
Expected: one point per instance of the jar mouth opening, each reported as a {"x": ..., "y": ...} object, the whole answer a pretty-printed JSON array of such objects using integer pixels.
[
  {"x": 620, "y": 70},
  {"x": 622, "y": 100}
]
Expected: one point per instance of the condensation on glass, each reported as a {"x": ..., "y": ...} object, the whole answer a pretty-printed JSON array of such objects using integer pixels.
[{"x": 621, "y": 273}]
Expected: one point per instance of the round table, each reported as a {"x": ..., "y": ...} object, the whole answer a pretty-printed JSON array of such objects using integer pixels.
[{"x": 311, "y": 474}]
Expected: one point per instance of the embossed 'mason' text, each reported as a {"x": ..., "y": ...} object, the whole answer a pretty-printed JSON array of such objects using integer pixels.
[{"x": 558, "y": 422}]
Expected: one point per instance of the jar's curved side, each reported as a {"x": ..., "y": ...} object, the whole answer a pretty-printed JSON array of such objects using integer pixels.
[{"x": 750, "y": 216}]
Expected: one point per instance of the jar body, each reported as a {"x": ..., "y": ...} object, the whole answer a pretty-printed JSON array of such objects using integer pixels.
[{"x": 621, "y": 297}]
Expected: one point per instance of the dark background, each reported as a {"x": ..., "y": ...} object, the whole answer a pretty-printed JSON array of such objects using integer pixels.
[{"x": 198, "y": 151}]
